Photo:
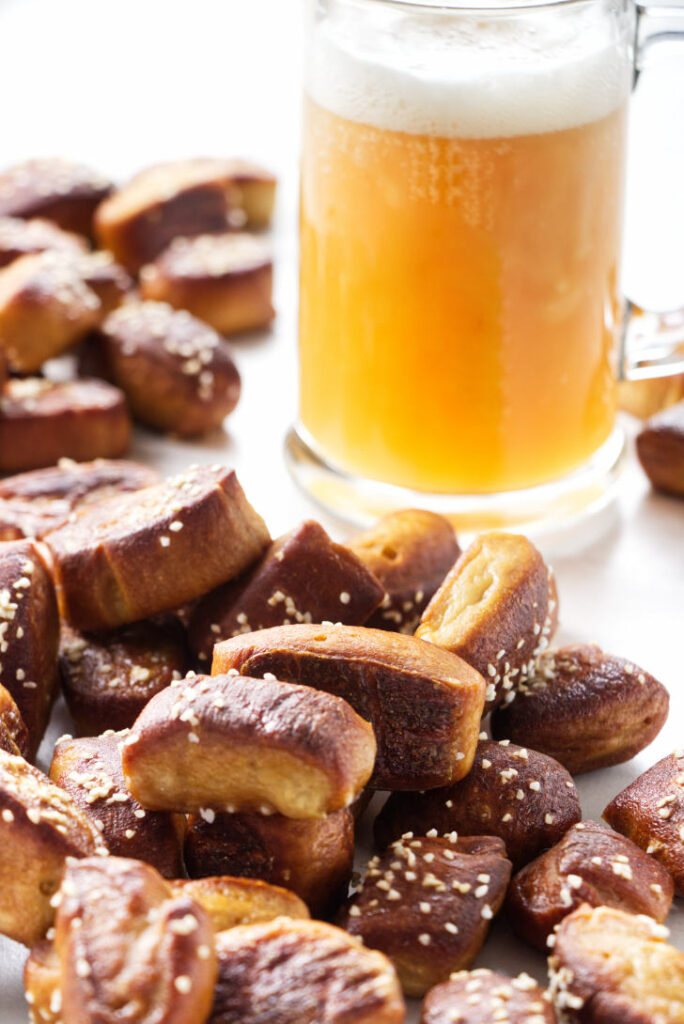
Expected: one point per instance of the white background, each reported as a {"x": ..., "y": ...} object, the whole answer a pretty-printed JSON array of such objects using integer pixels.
[{"x": 126, "y": 83}]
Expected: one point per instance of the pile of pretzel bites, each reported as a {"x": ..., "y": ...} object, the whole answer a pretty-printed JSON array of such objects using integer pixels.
[
  {"x": 146, "y": 314},
  {"x": 236, "y": 702}
]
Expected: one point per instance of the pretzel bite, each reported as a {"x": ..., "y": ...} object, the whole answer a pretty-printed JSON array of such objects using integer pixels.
[
  {"x": 226, "y": 280},
  {"x": 177, "y": 373},
  {"x": 591, "y": 864},
  {"x": 14, "y": 737},
  {"x": 108, "y": 678},
  {"x": 271, "y": 746},
  {"x": 89, "y": 770},
  {"x": 410, "y": 552},
  {"x": 425, "y": 704},
  {"x": 302, "y": 972},
  {"x": 29, "y": 636},
  {"x": 302, "y": 577},
  {"x": 129, "y": 950},
  {"x": 313, "y": 857},
  {"x": 41, "y": 984},
  {"x": 25, "y": 237},
  {"x": 660, "y": 447},
  {"x": 645, "y": 398},
  {"x": 56, "y": 189},
  {"x": 609, "y": 966},
  {"x": 230, "y": 902},
  {"x": 482, "y": 996},
  {"x": 526, "y": 799},
  {"x": 182, "y": 198},
  {"x": 33, "y": 503},
  {"x": 427, "y": 903},
  {"x": 493, "y": 611},
  {"x": 151, "y": 551},
  {"x": 650, "y": 812},
  {"x": 45, "y": 307},
  {"x": 40, "y": 826},
  {"x": 43, "y": 421},
  {"x": 586, "y": 708}
]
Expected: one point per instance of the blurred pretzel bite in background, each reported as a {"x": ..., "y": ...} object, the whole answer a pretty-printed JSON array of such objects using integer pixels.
[
  {"x": 185, "y": 198},
  {"x": 50, "y": 300},
  {"x": 525, "y": 798},
  {"x": 302, "y": 972},
  {"x": 33, "y": 503},
  {"x": 230, "y": 902},
  {"x": 302, "y": 577},
  {"x": 29, "y": 636},
  {"x": 272, "y": 746},
  {"x": 650, "y": 812},
  {"x": 226, "y": 280},
  {"x": 425, "y": 704},
  {"x": 142, "y": 553},
  {"x": 496, "y": 609},
  {"x": 586, "y": 708},
  {"x": 40, "y": 827},
  {"x": 591, "y": 864},
  {"x": 609, "y": 966},
  {"x": 25, "y": 237},
  {"x": 483, "y": 996},
  {"x": 42, "y": 984},
  {"x": 14, "y": 738},
  {"x": 42, "y": 421},
  {"x": 56, "y": 189},
  {"x": 177, "y": 373},
  {"x": 645, "y": 398},
  {"x": 90, "y": 771},
  {"x": 409, "y": 552},
  {"x": 311, "y": 856},
  {"x": 128, "y": 948},
  {"x": 108, "y": 678},
  {"x": 427, "y": 903},
  {"x": 660, "y": 447}
]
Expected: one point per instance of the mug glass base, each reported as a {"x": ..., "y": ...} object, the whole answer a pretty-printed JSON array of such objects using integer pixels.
[{"x": 559, "y": 513}]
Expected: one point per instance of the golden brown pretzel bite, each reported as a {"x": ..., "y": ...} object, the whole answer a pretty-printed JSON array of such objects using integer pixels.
[
  {"x": 58, "y": 190},
  {"x": 482, "y": 996},
  {"x": 525, "y": 798},
  {"x": 147, "y": 552},
  {"x": 311, "y": 856},
  {"x": 302, "y": 577},
  {"x": 108, "y": 678},
  {"x": 230, "y": 902},
  {"x": 302, "y": 972},
  {"x": 609, "y": 966},
  {"x": 29, "y": 635},
  {"x": 225, "y": 280},
  {"x": 40, "y": 827},
  {"x": 177, "y": 373},
  {"x": 591, "y": 864},
  {"x": 424, "y": 703},
  {"x": 33, "y": 503},
  {"x": 410, "y": 552},
  {"x": 586, "y": 708},
  {"x": 89, "y": 770},
  {"x": 130, "y": 950},
  {"x": 494, "y": 610},
  {"x": 42, "y": 421},
  {"x": 427, "y": 903},
  {"x": 230, "y": 742}
]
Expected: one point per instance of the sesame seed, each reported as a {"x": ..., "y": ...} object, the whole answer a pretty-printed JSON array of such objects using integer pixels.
[
  {"x": 182, "y": 984},
  {"x": 424, "y": 939}
]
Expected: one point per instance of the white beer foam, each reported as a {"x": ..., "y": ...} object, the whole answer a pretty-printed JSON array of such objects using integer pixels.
[{"x": 425, "y": 75}]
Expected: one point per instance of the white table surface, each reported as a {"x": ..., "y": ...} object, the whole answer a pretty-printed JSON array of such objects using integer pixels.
[{"x": 124, "y": 84}]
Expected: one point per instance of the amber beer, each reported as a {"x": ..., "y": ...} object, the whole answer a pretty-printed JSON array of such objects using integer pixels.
[{"x": 459, "y": 285}]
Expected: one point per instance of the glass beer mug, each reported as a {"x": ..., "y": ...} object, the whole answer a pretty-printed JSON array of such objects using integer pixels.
[{"x": 462, "y": 329}]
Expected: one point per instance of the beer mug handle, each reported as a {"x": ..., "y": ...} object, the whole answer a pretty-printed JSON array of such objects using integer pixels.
[{"x": 652, "y": 344}]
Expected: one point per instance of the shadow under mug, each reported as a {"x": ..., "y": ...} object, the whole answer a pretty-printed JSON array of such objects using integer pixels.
[{"x": 462, "y": 332}]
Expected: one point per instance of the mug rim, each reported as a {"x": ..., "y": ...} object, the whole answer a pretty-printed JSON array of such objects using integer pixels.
[{"x": 468, "y": 7}]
